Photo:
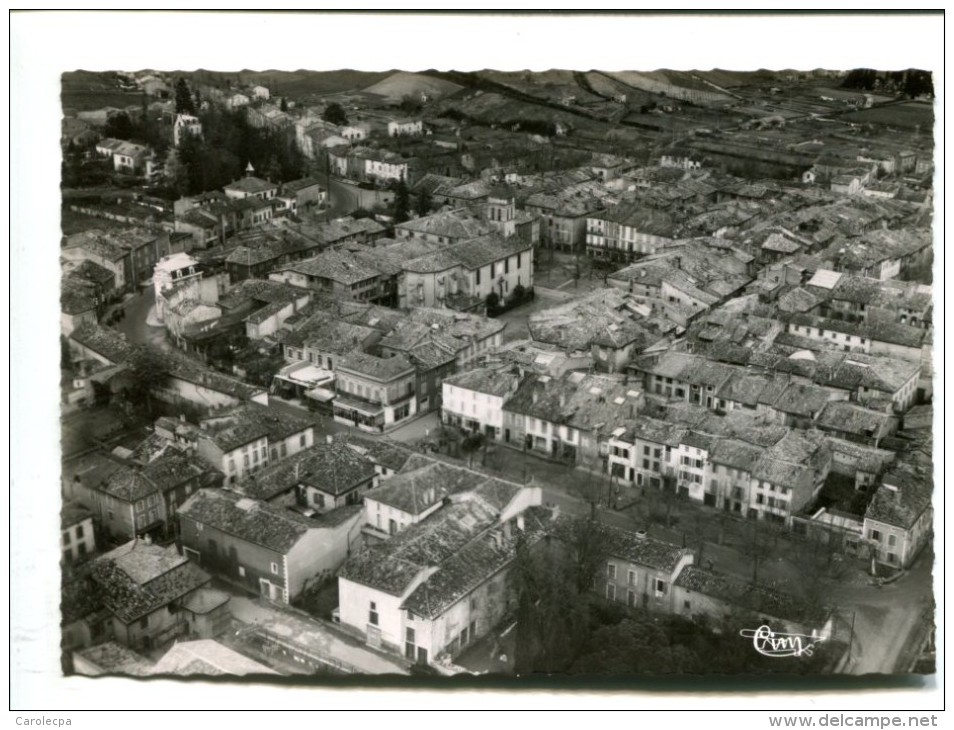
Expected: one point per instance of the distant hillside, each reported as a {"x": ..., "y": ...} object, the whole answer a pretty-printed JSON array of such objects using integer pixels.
[
  {"x": 401, "y": 84},
  {"x": 293, "y": 83}
]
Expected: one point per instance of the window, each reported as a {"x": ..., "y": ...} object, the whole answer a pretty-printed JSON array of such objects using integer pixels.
[
  {"x": 506, "y": 266},
  {"x": 275, "y": 568},
  {"x": 144, "y": 622},
  {"x": 660, "y": 587},
  {"x": 875, "y": 535},
  {"x": 611, "y": 571},
  {"x": 611, "y": 591},
  {"x": 631, "y": 578},
  {"x": 79, "y": 532},
  {"x": 245, "y": 460},
  {"x": 302, "y": 440},
  {"x": 631, "y": 599},
  {"x": 373, "y": 614},
  {"x": 892, "y": 540},
  {"x": 478, "y": 277}
]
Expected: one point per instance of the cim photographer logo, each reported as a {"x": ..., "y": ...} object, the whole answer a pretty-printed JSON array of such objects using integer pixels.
[{"x": 777, "y": 644}]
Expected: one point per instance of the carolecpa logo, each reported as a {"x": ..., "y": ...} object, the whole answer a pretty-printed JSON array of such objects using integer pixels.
[{"x": 776, "y": 644}]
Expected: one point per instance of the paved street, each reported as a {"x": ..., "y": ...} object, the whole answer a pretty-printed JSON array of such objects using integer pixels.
[
  {"x": 135, "y": 325},
  {"x": 888, "y": 619},
  {"x": 518, "y": 317}
]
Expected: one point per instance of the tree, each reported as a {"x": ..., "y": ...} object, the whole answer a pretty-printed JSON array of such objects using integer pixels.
[
  {"x": 553, "y": 579},
  {"x": 402, "y": 202},
  {"x": 423, "y": 206},
  {"x": 184, "y": 102},
  {"x": 119, "y": 126},
  {"x": 493, "y": 303},
  {"x": 284, "y": 105},
  {"x": 410, "y": 104},
  {"x": 335, "y": 114},
  {"x": 66, "y": 357},
  {"x": 146, "y": 371}
]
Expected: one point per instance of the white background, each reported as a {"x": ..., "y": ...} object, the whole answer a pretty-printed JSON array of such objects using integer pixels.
[{"x": 43, "y": 45}]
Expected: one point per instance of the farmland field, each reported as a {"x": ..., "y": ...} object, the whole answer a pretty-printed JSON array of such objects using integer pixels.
[{"x": 906, "y": 116}]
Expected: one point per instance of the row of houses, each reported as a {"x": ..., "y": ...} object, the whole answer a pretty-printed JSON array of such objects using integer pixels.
[{"x": 213, "y": 217}]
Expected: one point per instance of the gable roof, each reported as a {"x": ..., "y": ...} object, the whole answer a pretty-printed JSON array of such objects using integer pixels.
[
  {"x": 275, "y": 528},
  {"x": 137, "y": 578},
  {"x": 333, "y": 468}
]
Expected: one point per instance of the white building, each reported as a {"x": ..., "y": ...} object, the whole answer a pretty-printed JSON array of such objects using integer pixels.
[
  {"x": 185, "y": 124},
  {"x": 430, "y": 608},
  {"x": 171, "y": 270},
  {"x": 260, "y": 92},
  {"x": 405, "y": 127},
  {"x": 474, "y": 400}
]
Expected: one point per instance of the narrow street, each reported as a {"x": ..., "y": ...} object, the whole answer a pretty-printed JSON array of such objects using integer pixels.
[
  {"x": 888, "y": 620},
  {"x": 135, "y": 325}
]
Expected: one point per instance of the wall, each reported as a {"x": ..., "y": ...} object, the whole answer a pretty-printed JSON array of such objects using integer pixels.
[
  {"x": 354, "y": 602},
  {"x": 176, "y": 390},
  {"x": 76, "y": 545},
  {"x": 641, "y": 584},
  {"x": 320, "y": 551},
  {"x": 469, "y": 405},
  {"x": 478, "y": 612},
  {"x": 229, "y": 553},
  {"x": 380, "y": 515}
]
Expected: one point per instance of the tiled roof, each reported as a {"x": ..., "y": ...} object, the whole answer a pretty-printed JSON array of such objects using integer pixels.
[
  {"x": 251, "y": 185},
  {"x": 343, "y": 267},
  {"x": 491, "y": 381},
  {"x": 109, "y": 343},
  {"x": 748, "y": 596},
  {"x": 471, "y": 566},
  {"x": 585, "y": 402},
  {"x": 903, "y": 505},
  {"x": 382, "y": 368},
  {"x": 77, "y": 296},
  {"x": 137, "y": 578},
  {"x": 596, "y": 318},
  {"x": 415, "y": 491},
  {"x": 389, "y": 454},
  {"x": 392, "y": 566},
  {"x": 332, "y": 468},
  {"x": 643, "y": 550},
  {"x": 207, "y": 657},
  {"x": 275, "y": 528},
  {"x": 802, "y": 400},
  {"x": 454, "y": 224},
  {"x": 856, "y": 419},
  {"x": 248, "y": 422}
]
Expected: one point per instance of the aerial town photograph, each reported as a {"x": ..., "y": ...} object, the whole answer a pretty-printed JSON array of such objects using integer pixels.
[{"x": 437, "y": 373}]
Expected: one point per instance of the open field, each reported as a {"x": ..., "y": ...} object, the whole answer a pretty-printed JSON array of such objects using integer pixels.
[{"x": 906, "y": 115}]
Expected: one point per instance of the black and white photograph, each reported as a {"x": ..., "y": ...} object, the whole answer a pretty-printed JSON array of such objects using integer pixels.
[{"x": 473, "y": 371}]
